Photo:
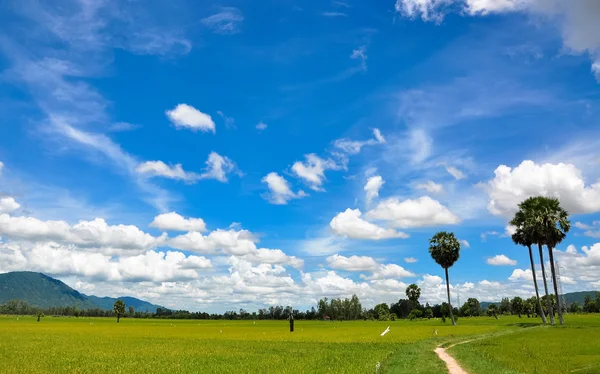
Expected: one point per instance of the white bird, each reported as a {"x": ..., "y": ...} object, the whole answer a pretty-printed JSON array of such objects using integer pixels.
[
  {"x": 386, "y": 331},
  {"x": 435, "y": 331},
  {"x": 377, "y": 367}
]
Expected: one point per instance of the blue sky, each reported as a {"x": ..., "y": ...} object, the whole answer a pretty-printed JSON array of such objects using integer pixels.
[{"x": 225, "y": 155}]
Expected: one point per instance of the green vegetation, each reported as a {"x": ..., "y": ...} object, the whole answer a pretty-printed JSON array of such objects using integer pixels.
[
  {"x": 574, "y": 347},
  {"x": 445, "y": 250}
]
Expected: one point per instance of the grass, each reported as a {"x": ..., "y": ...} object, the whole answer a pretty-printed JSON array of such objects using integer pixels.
[
  {"x": 93, "y": 345},
  {"x": 574, "y": 347}
]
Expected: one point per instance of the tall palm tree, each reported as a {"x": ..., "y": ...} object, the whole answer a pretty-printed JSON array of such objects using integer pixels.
[
  {"x": 445, "y": 250},
  {"x": 552, "y": 223},
  {"x": 528, "y": 218},
  {"x": 519, "y": 238}
]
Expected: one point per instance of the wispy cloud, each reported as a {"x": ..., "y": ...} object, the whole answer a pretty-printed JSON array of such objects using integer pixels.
[
  {"x": 334, "y": 14},
  {"x": 227, "y": 21}
]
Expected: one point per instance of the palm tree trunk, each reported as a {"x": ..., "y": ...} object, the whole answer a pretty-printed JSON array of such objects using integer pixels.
[
  {"x": 548, "y": 301},
  {"x": 554, "y": 282},
  {"x": 449, "y": 303},
  {"x": 537, "y": 292}
]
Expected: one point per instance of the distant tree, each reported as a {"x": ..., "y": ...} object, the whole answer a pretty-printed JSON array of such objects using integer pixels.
[
  {"x": 413, "y": 292},
  {"x": 589, "y": 306},
  {"x": 517, "y": 305},
  {"x": 492, "y": 311},
  {"x": 474, "y": 307},
  {"x": 504, "y": 306},
  {"x": 382, "y": 312},
  {"x": 574, "y": 308},
  {"x": 402, "y": 308},
  {"x": 39, "y": 314},
  {"x": 119, "y": 309},
  {"x": 445, "y": 250},
  {"x": 529, "y": 306},
  {"x": 414, "y": 314},
  {"x": 428, "y": 313}
]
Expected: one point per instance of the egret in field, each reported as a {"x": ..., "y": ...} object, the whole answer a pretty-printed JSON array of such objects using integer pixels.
[{"x": 386, "y": 331}]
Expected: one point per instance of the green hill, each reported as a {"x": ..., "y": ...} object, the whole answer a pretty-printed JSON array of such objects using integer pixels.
[
  {"x": 570, "y": 298},
  {"x": 43, "y": 291},
  {"x": 39, "y": 290}
]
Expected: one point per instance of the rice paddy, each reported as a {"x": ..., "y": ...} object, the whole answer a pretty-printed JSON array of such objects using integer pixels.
[{"x": 94, "y": 345}]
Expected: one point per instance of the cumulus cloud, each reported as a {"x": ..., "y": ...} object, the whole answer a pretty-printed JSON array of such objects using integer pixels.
[
  {"x": 352, "y": 263},
  {"x": 350, "y": 224},
  {"x": 95, "y": 235},
  {"x": 510, "y": 186},
  {"x": 8, "y": 205},
  {"x": 186, "y": 116},
  {"x": 388, "y": 271},
  {"x": 1, "y": 167},
  {"x": 227, "y": 21},
  {"x": 273, "y": 256},
  {"x": 218, "y": 167},
  {"x": 420, "y": 144},
  {"x": 420, "y": 212},
  {"x": 465, "y": 243},
  {"x": 175, "y": 222},
  {"x": 279, "y": 189},
  {"x": 373, "y": 186},
  {"x": 410, "y": 260},
  {"x": 430, "y": 187},
  {"x": 59, "y": 260},
  {"x": 312, "y": 171},
  {"x": 500, "y": 260}
]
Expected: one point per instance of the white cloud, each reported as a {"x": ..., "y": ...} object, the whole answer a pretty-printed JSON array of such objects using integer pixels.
[
  {"x": 372, "y": 187},
  {"x": 410, "y": 260},
  {"x": 334, "y": 14},
  {"x": 352, "y": 263},
  {"x": 350, "y": 224},
  {"x": 1, "y": 167},
  {"x": 175, "y": 222},
  {"x": 596, "y": 70},
  {"x": 520, "y": 274},
  {"x": 229, "y": 121},
  {"x": 465, "y": 243},
  {"x": 456, "y": 173},
  {"x": 186, "y": 116},
  {"x": 360, "y": 54},
  {"x": 430, "y": 187},
  {"x": 279, "y": 189},
  {"x": 377, "y": 134},
  {"x": 322, "y": 246},
  {"x": 353, "y": 147},
  {"x": 160, "y": 169},
  {"x": 500, "y": 260},
  {"x": 313, "y": 170},
  {"x": 577, "y": 20},
  {"x": 388, "y": 271},
  {"x": 420, "y": 212},
  {"x": 592, "y": 230},
  {"x": 229, "y": 242},
  {"x": 94, "y": 235},
  {"x": 261, "y": 126},
  {"x": 217, "y": 167},
  {"x": 420, "y": 145},
  {"x": 563, "y": 181},
  {"x": 8, "y": 205},
  {"x": 227, "y": 21},
  {"x": 273, "y": 256},
  {"x": 58, "y": 260}
]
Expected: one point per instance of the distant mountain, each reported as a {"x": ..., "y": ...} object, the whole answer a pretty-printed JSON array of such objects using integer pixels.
[
  {"x": 137, "y": 304},
  {"x": 43, "y": 291},
  {"x": 40, "y": 290}
]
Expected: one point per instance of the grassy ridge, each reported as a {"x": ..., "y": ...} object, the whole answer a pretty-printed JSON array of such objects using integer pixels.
[{"x": 93, "y": 345}]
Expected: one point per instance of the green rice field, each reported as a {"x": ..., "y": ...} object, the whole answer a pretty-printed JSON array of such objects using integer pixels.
[{"x": 98, "y": 345}]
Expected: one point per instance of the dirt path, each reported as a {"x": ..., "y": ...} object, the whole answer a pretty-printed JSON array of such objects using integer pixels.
[{"x": 451, "y": 364}]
